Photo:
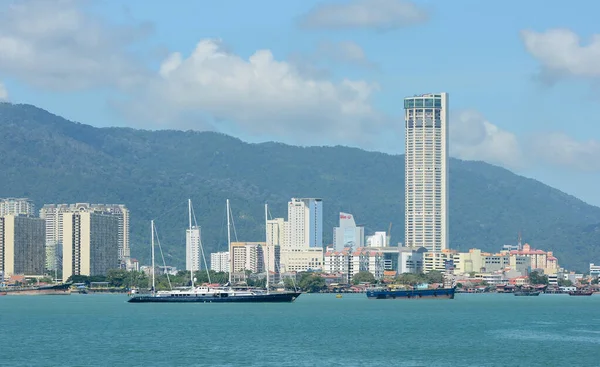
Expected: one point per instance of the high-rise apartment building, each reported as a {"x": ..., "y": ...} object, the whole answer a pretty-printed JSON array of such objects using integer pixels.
[
  {"x": 426, "y": 175},
  {"x": 276, "y": 231},
  {"x": 192, "y": 249},
  {"x": 21, "y": 245},
  {"x": 52, "y": 214},
  {"x": 90, "y": 243},
  {"x": 219, "y": 261},
  {"x": 17, "y": 206},
  {"x": 348, "y": 234},
  {"x": 305, "y": 223}
]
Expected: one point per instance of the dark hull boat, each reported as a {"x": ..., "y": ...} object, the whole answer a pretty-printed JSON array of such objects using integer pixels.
[
  {"x": 59, "y": 289},
  {"x": 527, "y": 293},
  {"x": 440, "y": 293},
  {"x": 581, "y": 293},
  {"x": 220, "y": 297}
]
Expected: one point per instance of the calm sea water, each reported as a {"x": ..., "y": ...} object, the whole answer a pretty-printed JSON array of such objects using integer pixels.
[{"x": 316, "y": 330}]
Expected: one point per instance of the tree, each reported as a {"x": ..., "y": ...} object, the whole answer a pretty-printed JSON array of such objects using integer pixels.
[
  {"x": 311, "y": 282},
  {"x": 564, "y": 282},
  {"x": 536, "y": 277},
  {"x": 459, "y": 285},
  {"x": 117, "y": 277},
  {"x": 434, "y": 276},
  {"x": 363, "y": 277}
]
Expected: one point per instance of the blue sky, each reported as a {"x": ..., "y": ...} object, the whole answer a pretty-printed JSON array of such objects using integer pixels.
[{"x": 522, "y": 76}]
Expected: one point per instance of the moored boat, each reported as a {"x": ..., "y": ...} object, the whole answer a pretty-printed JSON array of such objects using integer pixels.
[
  {"x": 438, "y": 293},
  {"x": 206, "y": 294},
  {"x": 526, "y": 293},
  {"x": 58, "y": 289},
  {"x": 581, "y": 292}
]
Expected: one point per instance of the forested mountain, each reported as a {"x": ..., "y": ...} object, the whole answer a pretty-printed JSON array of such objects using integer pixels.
[{"x": 52, "y": 160}]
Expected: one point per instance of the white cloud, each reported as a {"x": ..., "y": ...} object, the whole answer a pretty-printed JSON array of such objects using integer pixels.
[
  {"x": 376, "y": 14},
  {"x": 259, "y": 96},
  {"x": 58, "y": 46},
  {"x": 560, "y": 53},
  {"x": 472, "y": 137},
  {"x": 561, "y": 150},
  {"x": 3, "y": 93},
  {"x": 345, "y": 51}
]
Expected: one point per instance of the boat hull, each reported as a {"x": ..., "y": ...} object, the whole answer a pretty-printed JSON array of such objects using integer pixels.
[
  {"x": 259, "y": 298},
  {"x": 440, "y": 293},
  {"x": 52, "y": 290},
  {"x": 527, "y": 294},
  {"x": 580, "y": 293}
]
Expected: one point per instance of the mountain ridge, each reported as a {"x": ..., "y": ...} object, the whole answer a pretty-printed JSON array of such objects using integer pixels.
[{"x": 50, "y": 159}]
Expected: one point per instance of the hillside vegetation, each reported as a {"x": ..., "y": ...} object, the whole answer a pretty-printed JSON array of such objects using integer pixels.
[{"x": 51, "y": 160}]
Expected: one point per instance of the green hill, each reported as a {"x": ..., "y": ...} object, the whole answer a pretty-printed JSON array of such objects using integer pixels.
[{"x": 50, "y": 160}]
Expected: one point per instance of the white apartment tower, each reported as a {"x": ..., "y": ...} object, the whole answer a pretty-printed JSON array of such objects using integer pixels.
[
  {"x": 305, "y": 223},
  {"x": 52, "y": 214},
  {"x": 17, "y": 206},
  {"x": 192, "y": 249},
  {"x": 219, "y": 261},
  {"x": 426, "y": 171}
]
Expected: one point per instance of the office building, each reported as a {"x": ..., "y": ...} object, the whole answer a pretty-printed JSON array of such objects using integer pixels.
[
  {"x": 17, "y": 206},
  {"x": 305, "y": 224},
  {"x": 348, "y": 234},
  {"x": 426, "y": 173},
  {"x": 219, "y": 261},
  {"x": 21, "y": 245},
  {"x": 52, "y": 214},
  {"x": 90, "y": 243},
  {"x": 192, "y": 249}
]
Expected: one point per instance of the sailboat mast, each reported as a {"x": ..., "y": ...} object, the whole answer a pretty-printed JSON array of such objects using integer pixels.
[
  {"x": 267, "y": 244},
  {"x": 190, "y": 239},
  {"x": 229, "y": 245},
  {"x": 153, "y": 270}
]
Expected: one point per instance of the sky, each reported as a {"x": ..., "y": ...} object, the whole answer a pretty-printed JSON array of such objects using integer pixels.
[{"x": 522, "y": 76}]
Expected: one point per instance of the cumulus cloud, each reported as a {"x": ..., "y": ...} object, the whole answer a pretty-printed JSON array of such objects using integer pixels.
[
  {"x": 561, "y": 53},
  {"x": 58, "y": 46},
  {"x": 260, "y": 96},
  {"x": 3, "y": 93},
  {"x": 472, "y": 137},
  {"x": 559, "y": 149},
  {"x": 374, "y": 14}
]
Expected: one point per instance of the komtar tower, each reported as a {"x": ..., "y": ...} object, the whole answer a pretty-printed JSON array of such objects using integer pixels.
[{"x": 426, "y": 171}]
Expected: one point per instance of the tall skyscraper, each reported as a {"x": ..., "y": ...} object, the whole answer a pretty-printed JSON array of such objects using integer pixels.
[
  {"x": 426, "y": 171},
  {"x": 17, "y": 206},
  {"x": 348, "y": 234},
  {"x": 305, "y": 223},
  {"x": 52, "y": 213},
  {"x": 90, "y": 243},
  {"x": 192, "y": 249},
  {"x": 21, "y": 245}
]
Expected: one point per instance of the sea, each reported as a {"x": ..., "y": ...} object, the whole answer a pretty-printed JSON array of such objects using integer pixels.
[{"x": 316, "y": 330}]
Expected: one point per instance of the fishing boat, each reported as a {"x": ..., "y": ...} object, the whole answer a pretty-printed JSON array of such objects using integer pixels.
[
  {"x": 526, "y": 292},
  {"x": 581, "y": 292},
  {"x": 205, "y": 294}
]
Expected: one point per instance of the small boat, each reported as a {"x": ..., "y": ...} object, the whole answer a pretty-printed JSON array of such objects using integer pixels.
[
  {"x": 526, "y": 293},
  {"x": 338, "y": 296},
  {"x": 581, "y": 292}
]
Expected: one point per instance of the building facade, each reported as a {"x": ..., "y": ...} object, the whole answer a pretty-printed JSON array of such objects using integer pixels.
[
  {"x": 22, "y": 241},
  {"x": 52, "y": 214},
  {"x": 192, "y": 249},
  {"x": 347, "y": 234},
  {"x": 90, "y": 243},
  {"x": 305, "y": 223},
  {"x": 17, "y": 206},
  {"x": 426, "y": 172},
  {"x": 219, "y": 261}
]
